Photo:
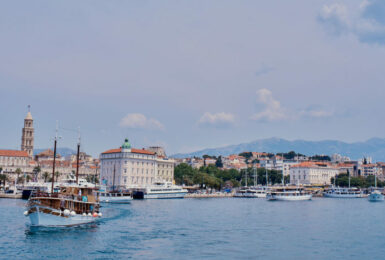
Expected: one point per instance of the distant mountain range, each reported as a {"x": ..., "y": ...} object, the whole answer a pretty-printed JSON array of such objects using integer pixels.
[
  {"x": 62, "y": 151},
  {"x": 374, "y": 148}
]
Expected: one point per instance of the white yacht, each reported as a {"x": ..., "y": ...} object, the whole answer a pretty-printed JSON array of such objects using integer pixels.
[
  {"x": 337, "y": 192},
  {"x": 251, "y": 192},
  {"x": 289, "y": 194},
  {"x": 165, "y": 190}
]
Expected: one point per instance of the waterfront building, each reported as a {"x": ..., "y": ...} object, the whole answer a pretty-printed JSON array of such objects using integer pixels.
[
  {"x": 370, "y": 169},
  {"x": 337, "y": 158},
  {"x": 312, "y": 173},
  {"x": 10, "y": 160},
  {"x": 27, "y": 138},
  {"x": 128, "y": 167}
]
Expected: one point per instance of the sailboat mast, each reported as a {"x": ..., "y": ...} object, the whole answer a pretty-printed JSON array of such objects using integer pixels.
[
  {"x": 77, "y": 160},
  {"x": 113, "y": 180},
  {"x": 54, "y": 158},
  {"x": 267, "y": 182},
  {"x": 246, "y": 177},
  {"x": 349, "y": 178}
]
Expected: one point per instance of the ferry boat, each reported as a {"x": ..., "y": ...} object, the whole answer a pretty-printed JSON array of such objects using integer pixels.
[
  {"x": 337, "y": 192},
  {"x": 251, "y": 192},
  {"x": 160, "y": 190},
  {"x": 70, "y": 206},
  {"x": 289, "y": 194}
]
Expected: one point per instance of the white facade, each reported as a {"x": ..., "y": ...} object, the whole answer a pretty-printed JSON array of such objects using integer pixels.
[
  {"x": 133, "y": 168},
  {"x": 312, "y": 174}
]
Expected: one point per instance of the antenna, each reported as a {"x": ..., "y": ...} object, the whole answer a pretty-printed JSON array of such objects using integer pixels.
[{"x": 29, "y": 108}]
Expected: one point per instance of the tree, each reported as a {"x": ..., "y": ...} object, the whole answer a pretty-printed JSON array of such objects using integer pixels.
[
  {"x": 247, "y": 155},
  {"x": 18, "y": 172},
  {"x": 57, "y": 174},
  {"x": 36, "y": 172},
  {"x": 28, "y": 178},
  {"x": 183, "y": 174},
  {"x": 219, "y": 162},
  {"x": 3, "y": 179},
  {"x": 45, "y": 176}
]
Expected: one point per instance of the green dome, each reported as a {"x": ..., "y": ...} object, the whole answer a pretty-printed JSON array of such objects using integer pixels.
[{"x": 126, "y": 144}]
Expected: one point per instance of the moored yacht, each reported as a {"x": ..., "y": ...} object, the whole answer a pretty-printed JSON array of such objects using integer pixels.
[
  {"x": 251, "y": 192},
  {"x": 337, "y": 192},
  {"x": 161, "y": 190},
  {"x": 289, "y": 194}
]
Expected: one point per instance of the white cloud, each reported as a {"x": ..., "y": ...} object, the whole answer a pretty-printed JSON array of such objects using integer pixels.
[
  {"x": 272, "y": 108},
  {"x": 140, "y": 121},
  {"x": 316, "y": 113},
  {"x": 218, "y": 119},
  {"x": 366, "y": 22}
]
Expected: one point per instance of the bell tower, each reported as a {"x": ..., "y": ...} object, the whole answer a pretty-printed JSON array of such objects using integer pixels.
[{"x": 27, "y": 138}]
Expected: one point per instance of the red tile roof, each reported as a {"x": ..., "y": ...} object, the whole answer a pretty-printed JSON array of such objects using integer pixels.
[
  {"x": 133, "y": 150},
  {"x": 13, "y": 153}
]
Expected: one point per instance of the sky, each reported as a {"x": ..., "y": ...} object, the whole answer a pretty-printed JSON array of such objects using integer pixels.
[{"x": 189, "y": 75}]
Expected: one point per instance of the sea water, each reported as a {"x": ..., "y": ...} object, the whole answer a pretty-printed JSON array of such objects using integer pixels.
[{"x": 227, "y": 228}]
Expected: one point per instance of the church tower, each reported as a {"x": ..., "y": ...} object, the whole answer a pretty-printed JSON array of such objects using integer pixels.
[{"x": 27, "y": 138}]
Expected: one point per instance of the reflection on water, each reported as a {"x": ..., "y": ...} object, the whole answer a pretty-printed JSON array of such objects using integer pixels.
[{"x": 211, "y": 228}]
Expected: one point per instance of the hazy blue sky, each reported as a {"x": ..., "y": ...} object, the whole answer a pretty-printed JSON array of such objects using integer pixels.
[{"x": 192, "y": 74}]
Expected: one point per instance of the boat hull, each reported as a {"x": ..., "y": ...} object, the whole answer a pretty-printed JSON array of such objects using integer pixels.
[
  {"x": 115, "y": 199},
  {"x": 291, "y": 198},
  {"x": 176, "y": 195},
  {"x": 375, "y": 197},
  {"x": 343, "y": 196},
  {"x": 250, "y": 195},
  {"x": 40, "y": 218}
]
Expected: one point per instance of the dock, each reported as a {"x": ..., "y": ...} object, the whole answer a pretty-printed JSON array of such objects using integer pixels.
[{"x": 10, "y": 196}]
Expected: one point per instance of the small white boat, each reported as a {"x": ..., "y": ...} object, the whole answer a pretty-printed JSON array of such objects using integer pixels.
[
  {"x": 376, "y": 196},
  {"x": 349, "y": 193},
  {"x": 115, "y": 197},
  {"x": 251, "y": 192},
  {"x": 289, "y": 194}
]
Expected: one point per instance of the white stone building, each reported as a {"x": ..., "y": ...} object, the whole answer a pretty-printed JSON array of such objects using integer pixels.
[
  {"x": 128, "y": 167},
  {"x": 312, "y": 173},
  {"x": 10, "y": 160}
]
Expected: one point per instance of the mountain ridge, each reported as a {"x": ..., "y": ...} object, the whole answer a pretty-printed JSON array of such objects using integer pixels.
[{"x": 373, "y": 147}]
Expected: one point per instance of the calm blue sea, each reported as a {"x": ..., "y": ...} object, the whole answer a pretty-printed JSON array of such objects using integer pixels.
[{"x": 205, "y": 229}]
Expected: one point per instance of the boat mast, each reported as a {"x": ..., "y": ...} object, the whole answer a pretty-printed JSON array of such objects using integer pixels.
[
  {"x": 54, "y": 157},
  {"x": 77, "y": 159},
  {"x": 113, "y": 180},
  {"x": 267, "y": 182},
  {"x": 349, "y": 178},
  {"x": 246, "y": 177},
  {"x": 375, "y": 181}
]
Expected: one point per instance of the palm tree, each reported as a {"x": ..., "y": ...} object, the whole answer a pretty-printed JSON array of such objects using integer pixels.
[
  {"x": 18, "y": 172},
  {"x": 57, "y": 174},
  {"x": 3, "y": 179},
  {"x": 45, "y": 176},
  {"x": 36, "y": 172}
]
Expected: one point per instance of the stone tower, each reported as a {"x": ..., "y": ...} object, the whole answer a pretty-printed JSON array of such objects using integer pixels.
[{"x": 27, "y": 138}]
